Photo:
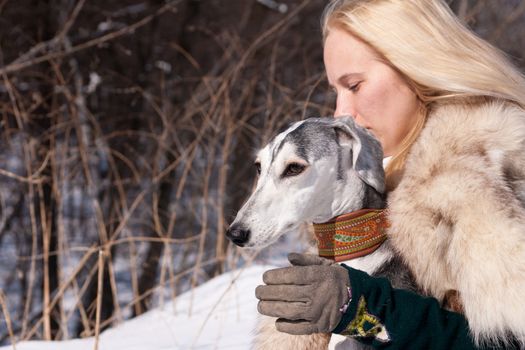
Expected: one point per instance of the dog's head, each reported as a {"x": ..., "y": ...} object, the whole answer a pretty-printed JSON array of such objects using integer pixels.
[{"x": 316, "y": 169}]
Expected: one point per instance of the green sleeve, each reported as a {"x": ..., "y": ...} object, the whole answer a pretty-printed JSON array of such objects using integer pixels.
[{"x": 389, "y": 318}]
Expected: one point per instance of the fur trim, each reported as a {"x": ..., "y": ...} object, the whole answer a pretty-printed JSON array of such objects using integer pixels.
[{"x": 458, "y": 214}]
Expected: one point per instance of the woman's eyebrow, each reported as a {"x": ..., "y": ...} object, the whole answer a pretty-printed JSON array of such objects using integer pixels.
[{"x": 343, "y": 78}]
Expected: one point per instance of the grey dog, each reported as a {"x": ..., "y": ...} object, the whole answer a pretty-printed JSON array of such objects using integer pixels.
[{"x": 315, "y": 170}]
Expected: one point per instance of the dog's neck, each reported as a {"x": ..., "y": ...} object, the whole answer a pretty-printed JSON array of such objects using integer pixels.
[
  {"x": 347, "y": 200},
  {"x": 373, "y": 199}
]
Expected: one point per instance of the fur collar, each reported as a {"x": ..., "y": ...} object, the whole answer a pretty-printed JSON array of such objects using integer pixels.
[{"x": 458, "y": 218}]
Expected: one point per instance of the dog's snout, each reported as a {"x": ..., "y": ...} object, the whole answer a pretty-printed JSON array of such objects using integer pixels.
[{"x": 238, "y": 235}]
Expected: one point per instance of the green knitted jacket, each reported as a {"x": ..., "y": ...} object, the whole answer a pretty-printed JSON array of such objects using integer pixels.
[{"x": 389, "y": 318}]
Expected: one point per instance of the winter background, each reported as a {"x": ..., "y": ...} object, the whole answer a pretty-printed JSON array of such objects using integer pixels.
[{"x": 128, "y": 130}]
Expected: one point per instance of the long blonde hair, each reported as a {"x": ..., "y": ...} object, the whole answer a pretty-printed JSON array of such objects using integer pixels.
[{"x": 438, "y": 56}]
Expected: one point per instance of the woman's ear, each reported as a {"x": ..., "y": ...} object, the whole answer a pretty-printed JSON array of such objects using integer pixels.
[{"x": 365, "y": 151}]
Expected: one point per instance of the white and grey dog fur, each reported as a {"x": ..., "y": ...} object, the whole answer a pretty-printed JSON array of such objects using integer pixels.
[{"x": 315, "y": 170}]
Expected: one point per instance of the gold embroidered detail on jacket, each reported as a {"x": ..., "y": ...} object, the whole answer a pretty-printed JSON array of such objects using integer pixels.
[{"x": 366, "y": 325}]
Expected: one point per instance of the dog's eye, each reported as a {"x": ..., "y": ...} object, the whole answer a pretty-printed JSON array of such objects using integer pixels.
[
  {"x": 293, "y": 169},
  {"x": 258, "y": 167}
]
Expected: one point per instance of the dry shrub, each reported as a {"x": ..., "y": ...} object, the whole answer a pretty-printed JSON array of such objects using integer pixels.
[{"x": 128, "y": 137}]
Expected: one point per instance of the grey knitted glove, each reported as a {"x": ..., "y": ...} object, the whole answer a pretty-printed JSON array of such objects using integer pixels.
[{"x": 306, "y": 297}]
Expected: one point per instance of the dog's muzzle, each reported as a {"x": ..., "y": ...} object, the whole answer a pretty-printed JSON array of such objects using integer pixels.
[{"x": 238, "y": 235}]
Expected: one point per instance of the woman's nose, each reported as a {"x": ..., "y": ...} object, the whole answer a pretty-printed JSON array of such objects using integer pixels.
[{"x": 344, "y": 107}]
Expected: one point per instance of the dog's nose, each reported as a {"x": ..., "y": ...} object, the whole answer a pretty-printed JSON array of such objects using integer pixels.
[{"x": 238, "y": 235}]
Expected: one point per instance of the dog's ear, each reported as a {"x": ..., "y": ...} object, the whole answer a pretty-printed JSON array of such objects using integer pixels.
[{"x": 366, "y": 152}]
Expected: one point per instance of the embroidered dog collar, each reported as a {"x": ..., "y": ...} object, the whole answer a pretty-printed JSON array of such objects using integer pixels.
[{"x": 352, "y": 235}]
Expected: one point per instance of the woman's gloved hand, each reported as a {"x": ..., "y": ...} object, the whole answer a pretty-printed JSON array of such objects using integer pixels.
[{"x": 306, "y": 297}]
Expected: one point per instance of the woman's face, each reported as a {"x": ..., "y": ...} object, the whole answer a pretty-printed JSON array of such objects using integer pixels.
[{"x": 372, "y": 92}]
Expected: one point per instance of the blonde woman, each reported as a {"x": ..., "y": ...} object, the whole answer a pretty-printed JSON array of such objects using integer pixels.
[{"x": 448, "y": 109}]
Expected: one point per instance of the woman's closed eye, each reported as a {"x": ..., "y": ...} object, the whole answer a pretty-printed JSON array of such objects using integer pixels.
[{"x": 354, "y": 87}]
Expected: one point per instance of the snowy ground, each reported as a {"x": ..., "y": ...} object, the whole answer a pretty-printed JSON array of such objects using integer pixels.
[{"x": 219, "y": 314}]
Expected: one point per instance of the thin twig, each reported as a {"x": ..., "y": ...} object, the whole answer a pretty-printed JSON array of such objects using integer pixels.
[
  {"x": 5, "y": 311},
  {"x": 100, "y": 287}
]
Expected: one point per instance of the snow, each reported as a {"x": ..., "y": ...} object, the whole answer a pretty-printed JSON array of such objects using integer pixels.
[{"x": 220, "y": 314}]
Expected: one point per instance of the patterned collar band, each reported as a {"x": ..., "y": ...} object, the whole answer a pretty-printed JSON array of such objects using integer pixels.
[{"x": 352, "y": 235}]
